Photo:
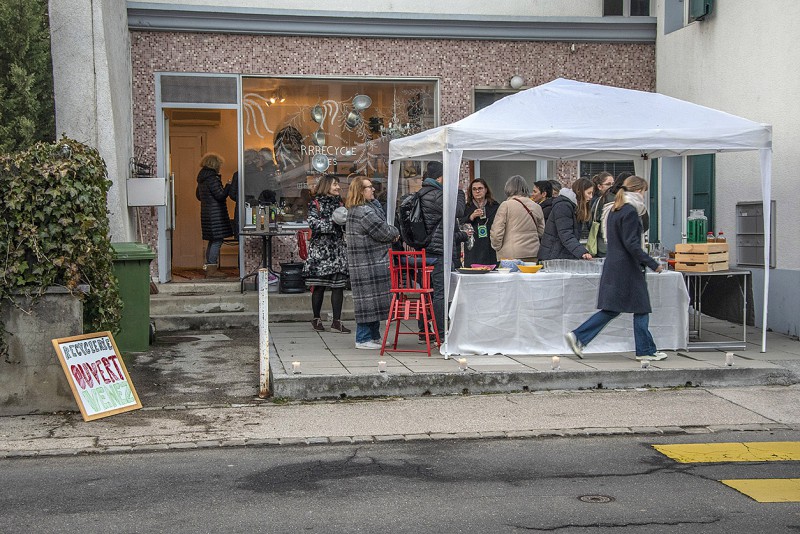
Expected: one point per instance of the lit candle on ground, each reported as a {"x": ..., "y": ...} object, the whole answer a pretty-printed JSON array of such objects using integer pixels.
[
  {"x": 382, "y": 366},
  {"x": 296, "y": 368},
  {"x": 462, "y": 364},
  {"x": 556, "y": 363},
  {"x": 729, "y": 359}
]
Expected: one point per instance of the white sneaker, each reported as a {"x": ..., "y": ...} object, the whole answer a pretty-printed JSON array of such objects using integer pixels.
[
  {"x": 655, "y": 357},
  {"x": 574, "y": 344},
  {"x": 368, "y": 345}
]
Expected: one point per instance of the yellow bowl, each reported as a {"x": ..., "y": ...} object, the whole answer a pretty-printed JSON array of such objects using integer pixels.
[{"x": 529, "y": 268}]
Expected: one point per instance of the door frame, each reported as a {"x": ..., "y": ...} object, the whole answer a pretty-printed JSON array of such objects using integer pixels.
[{"x": 162, "y": 160}]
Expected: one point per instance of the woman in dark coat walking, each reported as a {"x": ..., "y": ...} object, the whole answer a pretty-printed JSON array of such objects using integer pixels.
[
  {"x": 623, "y": 286},
  {"x": 214, "y": 219},
  {"x": 368, "y": 239},
  {"x": 326, "y": 265}
]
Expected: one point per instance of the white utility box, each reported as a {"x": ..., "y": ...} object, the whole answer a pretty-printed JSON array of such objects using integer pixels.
[{"x": 147, "y": 191}]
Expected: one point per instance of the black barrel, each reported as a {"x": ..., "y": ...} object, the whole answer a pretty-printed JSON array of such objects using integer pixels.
[{"x": 291, "y": 280}]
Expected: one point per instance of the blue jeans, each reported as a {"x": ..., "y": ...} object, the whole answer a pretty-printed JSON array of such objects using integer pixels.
[
  {"x": 368, "y": 332},
  {"x": 645, "y": 345},
  {"x": 212, "y": 252}
]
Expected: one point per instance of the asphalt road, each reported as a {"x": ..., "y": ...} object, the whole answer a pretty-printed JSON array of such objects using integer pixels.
[{"x": 599, "y": 484}]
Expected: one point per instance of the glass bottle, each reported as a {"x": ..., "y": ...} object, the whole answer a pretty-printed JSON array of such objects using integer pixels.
[
  {"x": 696, "y": 226},
  {"x": 721, "y": 237},
  {"x": 710, "y": 238}
]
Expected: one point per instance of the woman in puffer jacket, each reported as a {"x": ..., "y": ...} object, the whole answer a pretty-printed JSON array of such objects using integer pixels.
[
  {"x": 562, "y": 231},
  {"x": 214, "y": 219}
]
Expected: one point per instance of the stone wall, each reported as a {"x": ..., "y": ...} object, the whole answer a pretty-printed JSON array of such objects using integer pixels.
[{"x": 31, "y": 377}]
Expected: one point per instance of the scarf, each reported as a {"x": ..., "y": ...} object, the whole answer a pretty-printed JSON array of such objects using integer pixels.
[{"x": 634, "y": 199}]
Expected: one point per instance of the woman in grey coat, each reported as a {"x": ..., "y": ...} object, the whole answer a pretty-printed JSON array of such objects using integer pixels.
[
  {"x": 368, "y": 239},
  {"x": 623, "y": 287}
]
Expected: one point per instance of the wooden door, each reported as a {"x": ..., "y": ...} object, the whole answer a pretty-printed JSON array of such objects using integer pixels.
[{"x": 188, "y": 247}]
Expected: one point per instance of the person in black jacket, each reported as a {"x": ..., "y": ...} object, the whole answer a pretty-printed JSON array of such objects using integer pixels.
[
  {"x": 479, "y": 214},
  {"x": 562, "y": 231},
  {"x": 214, "y": 219},
  {"x": 623, "y": 287},
  {"x": 542, "y": 194},
  {"x": 432, "y": 195}
]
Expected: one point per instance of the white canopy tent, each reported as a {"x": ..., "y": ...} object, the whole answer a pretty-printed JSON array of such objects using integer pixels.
[{"x": 570, "y": 120}]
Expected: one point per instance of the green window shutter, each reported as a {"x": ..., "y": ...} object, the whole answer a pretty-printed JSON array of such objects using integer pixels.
[{"x": 701, "y": 192}]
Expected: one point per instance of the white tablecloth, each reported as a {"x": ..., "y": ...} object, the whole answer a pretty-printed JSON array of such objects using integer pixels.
[{"x": 518, "y": 313}]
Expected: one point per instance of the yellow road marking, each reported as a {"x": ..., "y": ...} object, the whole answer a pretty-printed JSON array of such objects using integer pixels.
[
  {"x": 753, "y": 451},
  {"x": 768, "y": 490}
]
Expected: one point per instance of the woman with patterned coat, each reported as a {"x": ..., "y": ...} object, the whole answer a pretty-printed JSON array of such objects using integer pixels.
[
  {"x": 326, "y": 265},
  {"x": 214, "y": 219},
  {"x": 368, "y": 240}
]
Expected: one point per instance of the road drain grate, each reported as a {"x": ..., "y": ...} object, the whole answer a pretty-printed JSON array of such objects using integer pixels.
[{"x": 596, "y": 498}]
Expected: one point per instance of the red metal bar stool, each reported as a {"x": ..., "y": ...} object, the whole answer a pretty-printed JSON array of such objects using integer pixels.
[{"x": 411, "y": 298}]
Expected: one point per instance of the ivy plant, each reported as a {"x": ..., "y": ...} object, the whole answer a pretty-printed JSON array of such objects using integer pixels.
[{"x": 55, "y": 230}]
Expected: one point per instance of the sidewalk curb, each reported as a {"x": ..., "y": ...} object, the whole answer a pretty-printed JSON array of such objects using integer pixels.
[
  {"x": 371, "y": 385},
  {"x": 309, "y": 441}
]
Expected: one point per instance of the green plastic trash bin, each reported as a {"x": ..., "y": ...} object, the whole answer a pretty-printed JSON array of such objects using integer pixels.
[{"x": 132, "y": 269}]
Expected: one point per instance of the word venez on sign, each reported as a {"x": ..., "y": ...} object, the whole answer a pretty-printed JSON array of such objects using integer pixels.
[{"x": 97, "y": 375}]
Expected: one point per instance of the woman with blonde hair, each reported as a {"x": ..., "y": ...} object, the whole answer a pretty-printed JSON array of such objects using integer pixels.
[
  {"x": 623, "y": 286},
  {"x": 214, "y": 219},
  {"x": 368, "y": 239},
  {"x": 326, "y": 265}
]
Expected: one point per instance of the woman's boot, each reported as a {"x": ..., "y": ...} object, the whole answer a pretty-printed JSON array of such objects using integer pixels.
[{"x": 337, "y": 326}]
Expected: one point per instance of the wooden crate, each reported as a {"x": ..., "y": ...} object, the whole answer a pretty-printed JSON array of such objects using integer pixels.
[
  {"x": 701, "y": 248},
  {"x": 701, "y": 267},
  {"x": 701, "y": 257}
]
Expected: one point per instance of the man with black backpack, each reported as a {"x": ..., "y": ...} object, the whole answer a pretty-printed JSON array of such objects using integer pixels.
[{"x": 431, "y": 197}]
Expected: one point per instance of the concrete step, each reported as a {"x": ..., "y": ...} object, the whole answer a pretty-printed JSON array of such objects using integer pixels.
[
  {"x": 199, "y": 287},
  {"x": 197, "y": 308}
]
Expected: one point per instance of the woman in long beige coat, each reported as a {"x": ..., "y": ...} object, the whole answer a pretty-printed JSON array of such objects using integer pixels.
[{"x": 519, "y": 223}]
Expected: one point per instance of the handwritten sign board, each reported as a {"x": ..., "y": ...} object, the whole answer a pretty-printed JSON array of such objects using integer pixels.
[{"x": 97, "y": 375}]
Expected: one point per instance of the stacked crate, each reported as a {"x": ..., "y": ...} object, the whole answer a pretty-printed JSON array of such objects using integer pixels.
[{"x": 701, "y": 257}]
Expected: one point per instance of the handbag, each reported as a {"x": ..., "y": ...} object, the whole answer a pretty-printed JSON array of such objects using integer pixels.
[{"x": 592, "y": 244}]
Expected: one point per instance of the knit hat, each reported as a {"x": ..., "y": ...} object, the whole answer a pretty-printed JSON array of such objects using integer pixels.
[{"x": 434, "y": 169}]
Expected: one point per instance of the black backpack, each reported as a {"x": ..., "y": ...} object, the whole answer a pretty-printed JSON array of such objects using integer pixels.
[{"x": 411, "y": 222}]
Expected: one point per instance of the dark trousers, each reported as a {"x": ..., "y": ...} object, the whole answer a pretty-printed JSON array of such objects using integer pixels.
[{"x": 437, "y": 284}]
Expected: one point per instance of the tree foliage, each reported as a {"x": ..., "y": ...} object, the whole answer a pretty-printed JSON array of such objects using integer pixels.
[
  {"x": 55, "y": 229},
  {"x": 27, "y": 109}
]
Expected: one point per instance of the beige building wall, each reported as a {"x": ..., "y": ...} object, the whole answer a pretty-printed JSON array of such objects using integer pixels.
[
  {"x": 743, "y": 60},
  {"x": 92, "y": 80}
]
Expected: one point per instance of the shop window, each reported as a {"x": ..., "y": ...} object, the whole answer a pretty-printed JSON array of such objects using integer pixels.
[
  {"x": 590, "y": 168},
  {"x": 294, "y": 129},
  {"x": 626, "y": 8}
]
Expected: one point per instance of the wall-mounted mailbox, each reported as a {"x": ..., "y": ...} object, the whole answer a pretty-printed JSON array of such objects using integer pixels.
[
  {"x": 750, "y": 234},
  {"x": 147, "y": 191}
]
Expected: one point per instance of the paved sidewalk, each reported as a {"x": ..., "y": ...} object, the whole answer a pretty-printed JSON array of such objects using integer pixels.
[{"x": 331, "y": 367}]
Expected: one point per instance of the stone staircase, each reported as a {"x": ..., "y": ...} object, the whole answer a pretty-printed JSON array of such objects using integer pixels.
[{"x": 208, "y": 305}]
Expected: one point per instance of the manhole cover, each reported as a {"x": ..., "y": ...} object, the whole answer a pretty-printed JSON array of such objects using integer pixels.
[{"x": 596, "y": 498}]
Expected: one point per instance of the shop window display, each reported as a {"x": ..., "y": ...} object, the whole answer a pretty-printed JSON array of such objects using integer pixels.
[{"x": 294, "y": 129}]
